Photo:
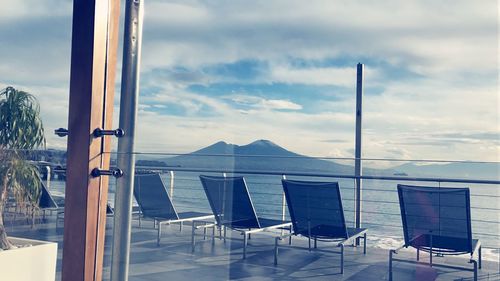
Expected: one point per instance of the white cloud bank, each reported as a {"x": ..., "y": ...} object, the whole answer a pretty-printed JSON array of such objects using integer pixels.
[{"x": 433, "y": 63}]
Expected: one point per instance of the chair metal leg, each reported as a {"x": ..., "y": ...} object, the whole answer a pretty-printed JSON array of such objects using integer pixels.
[
  {"x": 276, "y": 250},
  {"x": 418, "y": 254},
  {"x": 315, "y": 242},
  {"x": 204, "y": 232},
  {"x": 341, "y": 258},
  {"x": 480, "y": 258},
  {"x": 225, "y": 233},
  {"x": 364, "y": 244},
  {"x": 192, "y": 237},
  {"x": 475, "y": 269},
  {"x": 390, "y": 264},
  {"x": 159, "y": 234},
  {"x": 430, "y": 253},
  {"x": 213, "y": 234},
  {"x": 180, "y": 227},
  {"x": 309, "y": 234},
  {"x": 290, "y": 238},
  {"x": 245, "y": 241}
]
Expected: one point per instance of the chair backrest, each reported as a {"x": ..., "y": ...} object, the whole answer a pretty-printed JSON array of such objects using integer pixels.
[
  {"x": 46, "y": 199},
  {"x": 315, "y": 208},
  {"x": 230, "y": 201},
  {"x": 441, "y": 212},
  {"x": 152, "y": 197}
]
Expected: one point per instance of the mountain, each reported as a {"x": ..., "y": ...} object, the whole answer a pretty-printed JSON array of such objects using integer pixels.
[
  {"x": 259, "y": 147},
  {"x": 462, "y": 170},
  {"x": 266, "y": 156},
  {"x": 260, "y": 155}
]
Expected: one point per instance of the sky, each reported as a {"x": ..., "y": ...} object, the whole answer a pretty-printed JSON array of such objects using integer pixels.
[{"x": 285, "y": 71}]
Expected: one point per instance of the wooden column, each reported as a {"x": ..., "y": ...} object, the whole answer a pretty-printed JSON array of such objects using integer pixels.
[{"x": 93, "y": 63}]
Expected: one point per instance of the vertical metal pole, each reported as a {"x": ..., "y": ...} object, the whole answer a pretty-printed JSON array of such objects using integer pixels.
[
  {"x": 132, "y": 41},
  {"x": 283, "y": 204},
  {"x": 47, "y": 182},
  {"x": 357, "y": 163},
  {"x": 172, "y": 179}
]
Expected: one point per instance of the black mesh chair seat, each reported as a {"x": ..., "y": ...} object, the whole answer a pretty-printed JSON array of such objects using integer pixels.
[
  {"x": 445, "y": 248},
  {"x": 154, "y": 202},
  {"x": 437, "y": 220},
  {"x": 159, "y": 215},
  {"x": 355, "y": 231},
  {"x": 233, "y": 208},
  {"x": 326, "y": 232},
  {"x": 317, "y": 213},
  {"x": 187, "y": 215},
  {"x": 444, "y": 245},
  {"x": 270, "y": 222}
]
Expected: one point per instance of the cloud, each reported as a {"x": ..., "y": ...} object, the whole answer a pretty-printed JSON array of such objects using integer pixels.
[
  {"x": 423, "y": 38},
  {"x": 262, "y": 103},
  {"x": 315, "y": 76},
  {"x": 334, "y": 141},
  {"x": 23, "y": 10},
  {"x": 280, "y": 104},
  {"x": 472, "y": 137},
  {"x": 285, "y": 70}
]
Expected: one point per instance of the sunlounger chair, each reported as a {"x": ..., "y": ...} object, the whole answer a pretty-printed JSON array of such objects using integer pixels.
[
  {"x": 233, "y": 208},
  {"x": 154, "y": 202},
  {"x": 437, "y": 220},
  {"x": 316, "y": 212}
]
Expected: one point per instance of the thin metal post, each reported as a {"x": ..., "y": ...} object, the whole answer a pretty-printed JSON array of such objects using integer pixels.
[
  {"x": 357, "y": 162},
  {"x": 47, "y": 182},
  {"x": 283, "y": 204},
  {"x": 132, "y": 41},
  {"x": 172, "y": 185}
]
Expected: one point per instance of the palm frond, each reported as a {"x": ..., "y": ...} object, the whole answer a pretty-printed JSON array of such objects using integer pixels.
[{"x": 20, "y": 124}]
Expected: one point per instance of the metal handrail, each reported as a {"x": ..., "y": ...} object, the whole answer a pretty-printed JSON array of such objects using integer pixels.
[
  {"x": 306, "y": 156},
  {"x": 328, "y": 175}
]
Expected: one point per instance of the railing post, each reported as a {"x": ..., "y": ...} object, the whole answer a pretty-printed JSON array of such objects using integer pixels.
[
  {"x": 47, "y": 182},
  {"x": 171, "y": 185},
  {"x": 357, "y": 162},
  {"x": 283, "y": 203}
]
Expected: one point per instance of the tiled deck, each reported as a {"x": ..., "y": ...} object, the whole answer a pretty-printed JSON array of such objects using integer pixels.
[{"x": 173, "y": 260}]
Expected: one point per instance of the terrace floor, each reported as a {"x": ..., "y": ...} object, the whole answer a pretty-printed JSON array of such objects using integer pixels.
[{"x": 173, "y": 260}]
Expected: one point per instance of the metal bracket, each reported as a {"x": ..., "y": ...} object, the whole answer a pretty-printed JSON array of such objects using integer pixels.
[
  {"x": 96, "y": 172},
  {"x": 61, "y": 132},
  {"x": 98, "y": 132}
]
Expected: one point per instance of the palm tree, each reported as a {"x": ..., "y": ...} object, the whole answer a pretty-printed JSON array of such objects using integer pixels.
[{"x": 21, "y": 130}]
